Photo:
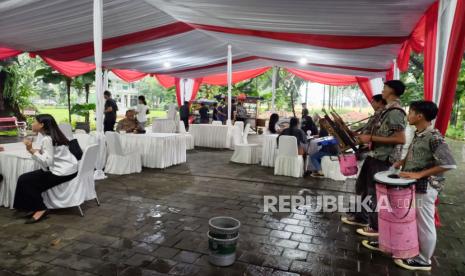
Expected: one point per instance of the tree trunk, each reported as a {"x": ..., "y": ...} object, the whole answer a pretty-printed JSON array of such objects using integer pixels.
[
  {"x": 68, "y": 92},
  {"x": 8, "y": 108}
]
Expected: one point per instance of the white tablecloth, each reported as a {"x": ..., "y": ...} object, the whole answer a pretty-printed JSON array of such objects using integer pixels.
[
  {"x": 164, "y": 126},
  {"x": 158, "y": 150},
  {"x": 269, "y": 150},
  {"x": 210, "y": 136},
  {"x": 14, "y": 161}
]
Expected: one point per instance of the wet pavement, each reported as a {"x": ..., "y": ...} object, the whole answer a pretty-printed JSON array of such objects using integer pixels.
[{"x": 155, "y": 223}]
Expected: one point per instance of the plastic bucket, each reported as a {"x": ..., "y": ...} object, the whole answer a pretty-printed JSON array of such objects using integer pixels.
[
  {"x": 222, "y": 240},
  {"x": 397, "y": 223}
]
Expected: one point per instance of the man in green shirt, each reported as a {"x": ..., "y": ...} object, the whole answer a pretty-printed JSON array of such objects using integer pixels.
[
  {"x": 427, "y": 159},
  {"x": 385, "y": 142}
]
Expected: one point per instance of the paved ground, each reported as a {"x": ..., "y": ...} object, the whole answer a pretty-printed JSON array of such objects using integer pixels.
[{"x": 155, "y": 223}]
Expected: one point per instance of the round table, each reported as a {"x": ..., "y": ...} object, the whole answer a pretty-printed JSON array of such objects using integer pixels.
[{"x": 14, "y": 162}]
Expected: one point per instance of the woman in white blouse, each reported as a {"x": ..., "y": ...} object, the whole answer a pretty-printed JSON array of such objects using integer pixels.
[
  {"x": 57, "y": 165},
  {"x": 141, "y": 112}
]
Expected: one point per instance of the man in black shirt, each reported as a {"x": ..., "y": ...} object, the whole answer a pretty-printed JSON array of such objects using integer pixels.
[
  {"x": 184, "y": 114},
  {"x": 203, "y": 111},
  {"x": 110, "y": 112},
  {"x": 308, "y": 124}
]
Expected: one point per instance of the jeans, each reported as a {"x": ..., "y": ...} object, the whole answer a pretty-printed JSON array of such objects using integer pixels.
[{"x": 316, "y": 159}]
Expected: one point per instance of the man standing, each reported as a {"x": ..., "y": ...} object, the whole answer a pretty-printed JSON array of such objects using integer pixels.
[
  {"x": 110, "y": 112},
  {"x": 184, "y": 114},
  {"x": 203, "y": 111},
  {"x": 304, "y": 109},
  {"x": 386, "y": 141}
]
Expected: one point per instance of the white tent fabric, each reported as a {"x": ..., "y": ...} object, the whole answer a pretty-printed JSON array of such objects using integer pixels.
[
  {"x": 377, "y": 85},
  {"x": 194, "y": 51},
  {"x": 186, "y": 87}
]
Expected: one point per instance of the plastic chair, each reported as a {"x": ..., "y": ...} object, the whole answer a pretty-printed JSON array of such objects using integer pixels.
[
  {"x": 83, "y": 140},
  {"x": 288, "y": 162},
  {"x": 189, "y": 138},
  {"x": 245, "y": 134},
  {"x": 66, "y": 129},
  {"x": 243, "y": 152},
  {"x": 81, "y": 188},
  {"x": 118, "y": 161}
]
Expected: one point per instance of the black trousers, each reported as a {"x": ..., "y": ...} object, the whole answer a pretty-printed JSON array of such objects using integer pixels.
[
  {"x": 186, "y": 123},
  {"x": 366, "y": 186},
  {"x": 109, "y": 125},
  {"x": 31, "y": 185}
]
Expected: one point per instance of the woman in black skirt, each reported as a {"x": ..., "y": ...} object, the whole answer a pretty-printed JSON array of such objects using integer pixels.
[{"x": 57, "y": 163}]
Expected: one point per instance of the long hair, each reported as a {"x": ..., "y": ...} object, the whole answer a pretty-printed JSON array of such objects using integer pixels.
[
  {"x": 51, "y": 129},
  {"x": 293, "y": 125},
  {"x": 142, "y": 99},
  {"x": 274, "y": 118}
]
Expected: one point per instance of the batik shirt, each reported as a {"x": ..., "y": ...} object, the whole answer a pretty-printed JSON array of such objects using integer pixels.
[
  {"x": 428, "y": 149},
  {"x": 369, "y": 127},
  {"x": 390, "y": 121}
]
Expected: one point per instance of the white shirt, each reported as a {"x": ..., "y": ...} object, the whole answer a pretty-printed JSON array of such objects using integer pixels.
[
  {"x": 58, "y": 160},
  {"x": 141, "y": 110}
]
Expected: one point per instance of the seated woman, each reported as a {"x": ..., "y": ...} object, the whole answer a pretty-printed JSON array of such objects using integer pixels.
[
  {"x": 326, "y": 150},
  {"x": 57, "y": 163},
  {"x": 129, "y": 124},
  {"x": 299, "y": 134},
  {"x": 273, "y": 127}
]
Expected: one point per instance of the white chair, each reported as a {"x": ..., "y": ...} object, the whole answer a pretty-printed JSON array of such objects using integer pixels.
[
  {"x": 245, "y": 134},
  {"x": 243, "y": 152},
  {"x": 83, "y": 140},
  {"x": 189, "y": 138},
  {"x": 81, "y": 188},
  {"x": 217, "y": 123},
  {"x": 288, "y": 162},
  {"x": 118, "y": 161},
  {"x": 237, "y": 137},
  {"x": 239, "y": 123},
  {"x": 66, "y": 129},
  {"x": 80, "y": 131}
]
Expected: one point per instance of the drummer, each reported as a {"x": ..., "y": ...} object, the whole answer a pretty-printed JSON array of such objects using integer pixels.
[
  {"x": 427, "y": 159},
  {"x": 386, "y": 141}
]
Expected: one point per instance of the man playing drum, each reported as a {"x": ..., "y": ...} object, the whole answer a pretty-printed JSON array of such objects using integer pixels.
[{"x": 386, "y": 141}]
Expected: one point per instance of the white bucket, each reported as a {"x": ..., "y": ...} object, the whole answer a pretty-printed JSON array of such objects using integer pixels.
[{"x": 222, "y": 240}]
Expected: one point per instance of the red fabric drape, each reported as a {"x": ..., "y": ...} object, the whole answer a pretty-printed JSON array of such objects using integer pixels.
[
  {"x": 452, "y": 67},
  {"x": 324, "y": 78},
  {"x": 390, "y": 73},
  {"x": 222, "y": 79},
  {"x": 129, "y": 75},
  {"x": 8, "y": 53},
  {"x": 195, "y": 90},
  {"x": 165, "y": 80},
  {"x": 365, "y": 85},
  {"x": 320, "y": 40},
  {"x": 415, "y": 42},
  {"x": 70, "y": 68},
  {"x": 78, "y": 51},
  {"x": 430, "y": 50}
]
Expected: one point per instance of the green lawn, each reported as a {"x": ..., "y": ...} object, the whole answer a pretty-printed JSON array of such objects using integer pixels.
[{"x": 61, "y": 114}]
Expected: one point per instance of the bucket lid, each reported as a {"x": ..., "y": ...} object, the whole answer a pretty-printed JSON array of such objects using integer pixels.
[{"x": 390, "y": 178}]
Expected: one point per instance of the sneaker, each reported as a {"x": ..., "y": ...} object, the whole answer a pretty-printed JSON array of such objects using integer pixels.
[
  {"x": 412, "y": 264},
  {"x": 317, "y": 175},
  {"x": 367, "y": 231},
  {"x": 351, "y": 220},
  {"x": 372, "y": 245}
]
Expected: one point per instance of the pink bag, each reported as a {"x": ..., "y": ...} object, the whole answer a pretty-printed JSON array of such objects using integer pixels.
[{"x": 348, "y": 164}]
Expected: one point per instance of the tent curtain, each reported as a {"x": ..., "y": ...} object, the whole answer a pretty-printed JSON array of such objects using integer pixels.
[
  {"x": 416, "y": 42},
  {"x": 70, "y": 68},
  {"x": 165, "y": 80},
  {"x": 186, "y": 89},
  {"x": 221, "y": 79},
  {"x": 324, "y": 78},
  {"x": 8, "y": 53},
  {"x": 430, "y": 50},
  {"x": 455, "y": 50},
  {"x": 366, "y": 88},
  {"x": 129, "y": 75},
  {"x": 390, "y": 73}
]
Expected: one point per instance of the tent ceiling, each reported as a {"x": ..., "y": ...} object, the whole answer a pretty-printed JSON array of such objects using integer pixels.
[{"x": 47, "y": 24}]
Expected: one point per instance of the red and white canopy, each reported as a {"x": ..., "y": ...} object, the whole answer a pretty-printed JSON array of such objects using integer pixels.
[{"x": 189, "y": 38}]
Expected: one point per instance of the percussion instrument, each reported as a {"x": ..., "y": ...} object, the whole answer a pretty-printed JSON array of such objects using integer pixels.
[{"x": 337, "y": 128}]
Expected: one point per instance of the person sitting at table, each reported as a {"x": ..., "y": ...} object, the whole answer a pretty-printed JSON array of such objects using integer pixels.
[
  {"x": 57, "y": 165},
  {"x": 326, "y": 150},
  {"x": 273, "y": 127},
  {"x": 129, "y": 124},
  {"x": 308, "y": 124},
  {"x": 203, "y": 111},
  {"x": 299, "y": 134}
]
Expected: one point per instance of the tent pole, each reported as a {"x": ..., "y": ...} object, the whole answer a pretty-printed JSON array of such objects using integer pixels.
[
  {"x": 273, "y": 88},
  {"x": 98, "y": 13},
  {"x": 306, "y": 92},
  {"x": 229, "y": 84}
]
